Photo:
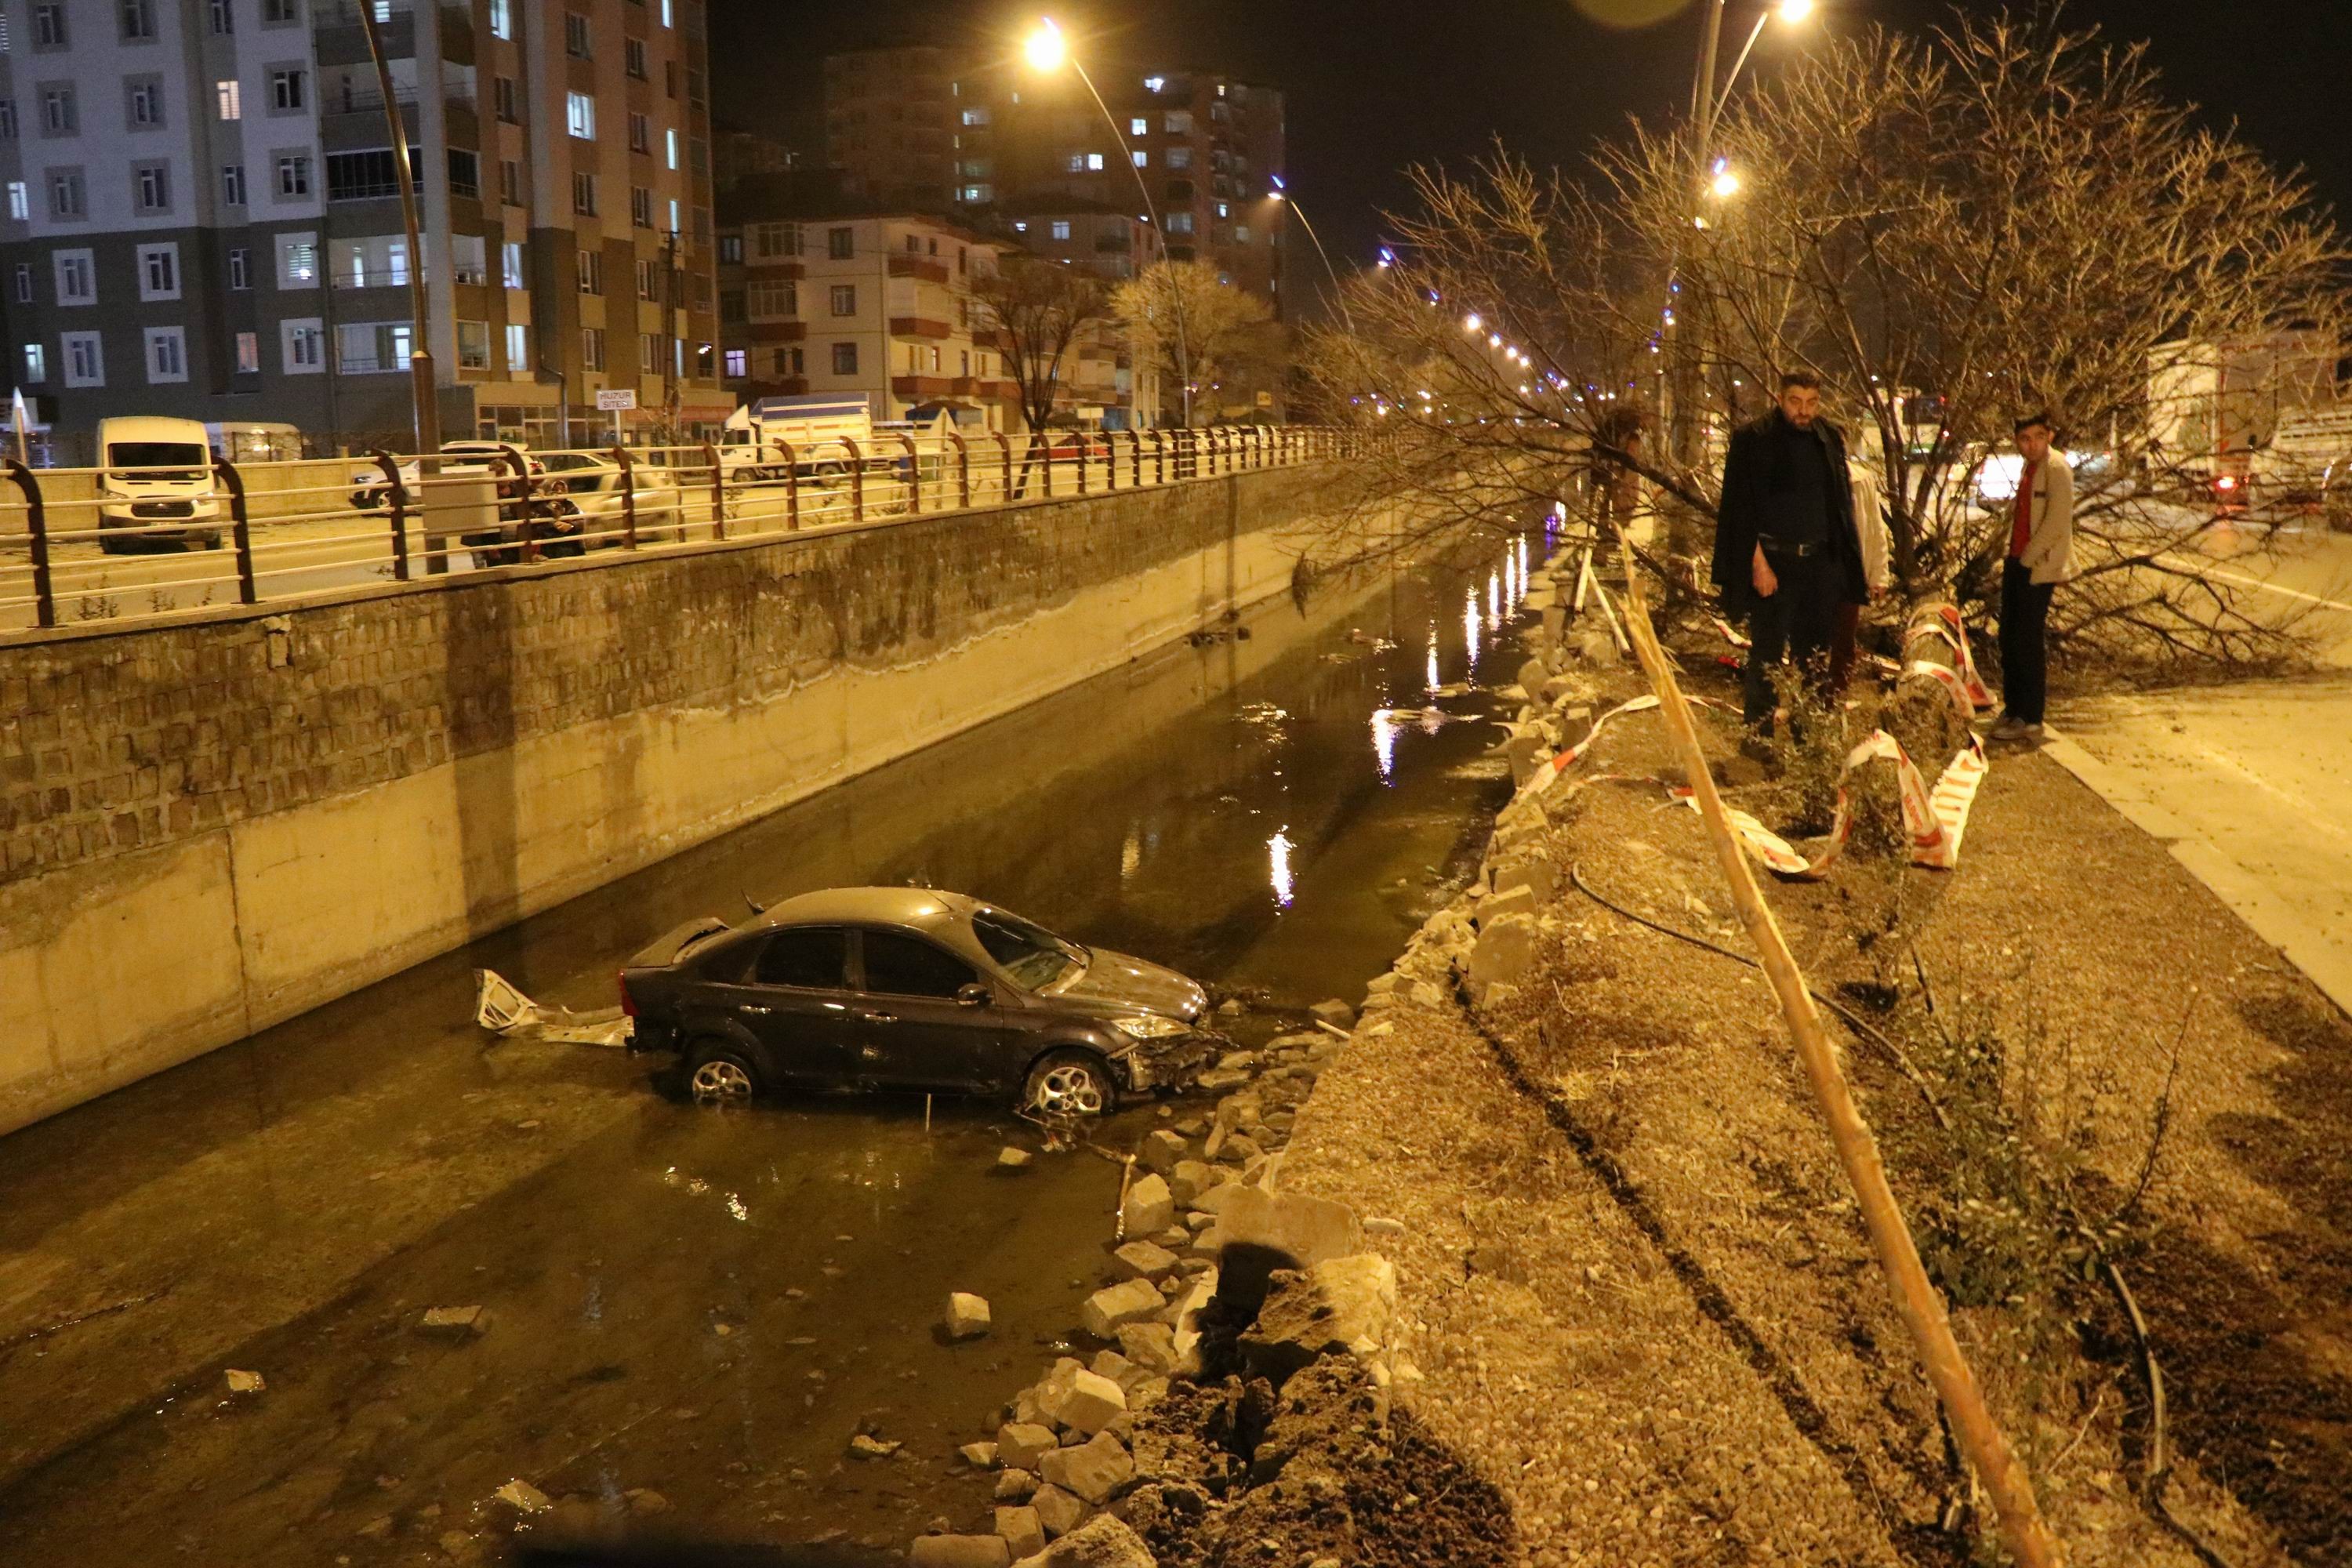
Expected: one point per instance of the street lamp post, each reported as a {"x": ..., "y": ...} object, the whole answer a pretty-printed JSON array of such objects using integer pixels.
[
  {"x": 420, "y": 352},
  {"x": 1280, "y": 192},
  {"x": 1048, "y": 51}
]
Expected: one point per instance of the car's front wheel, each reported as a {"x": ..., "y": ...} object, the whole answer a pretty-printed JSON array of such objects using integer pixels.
[
  {"x": 1070, "y": 1083},
  {"x": 718, "y": 1074}
]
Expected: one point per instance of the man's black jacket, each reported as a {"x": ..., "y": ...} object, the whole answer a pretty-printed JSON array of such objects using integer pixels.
[{"x": 1747, "y": 478}]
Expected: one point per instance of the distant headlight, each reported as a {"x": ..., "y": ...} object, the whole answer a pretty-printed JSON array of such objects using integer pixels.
[{"x": 1151, "y": 1027}]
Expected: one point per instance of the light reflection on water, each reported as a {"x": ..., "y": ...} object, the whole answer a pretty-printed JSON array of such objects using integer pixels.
[
  {"x": 1384, "y": 732},
  {"x": 1278, "y": 854},
  {"x": 1470, "y": 628},
  {"x": 1433, "y": 680},
  {"x": 1495, "y": 599}
]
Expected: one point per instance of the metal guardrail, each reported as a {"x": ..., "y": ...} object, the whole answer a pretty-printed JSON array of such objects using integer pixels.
[{"x": 80, "y": 545}]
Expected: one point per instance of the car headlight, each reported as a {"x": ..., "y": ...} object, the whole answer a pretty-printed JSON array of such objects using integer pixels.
[{"x": 1151, "y": 1027}]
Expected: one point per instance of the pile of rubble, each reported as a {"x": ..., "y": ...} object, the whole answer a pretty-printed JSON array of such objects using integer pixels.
[{"x": 1232, "y": 1294}]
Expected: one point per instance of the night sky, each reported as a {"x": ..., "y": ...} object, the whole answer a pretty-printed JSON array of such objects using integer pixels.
[{"x": 1374, "y": 85}]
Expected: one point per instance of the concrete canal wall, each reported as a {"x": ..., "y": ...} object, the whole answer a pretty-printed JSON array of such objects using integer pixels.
[{"x": 211, "y": 825}]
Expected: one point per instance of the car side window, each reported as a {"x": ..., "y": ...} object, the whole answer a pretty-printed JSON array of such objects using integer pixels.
[
  {"x": 815, "y": 958},
  {"x": 902, "y": 966}
]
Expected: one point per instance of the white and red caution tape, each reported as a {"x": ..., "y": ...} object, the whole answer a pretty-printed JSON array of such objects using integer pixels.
[
  {"x": 1550, "y": 768},
  {"x": 1949, "y": 626},
  {"x": 1933, "y": 821}
]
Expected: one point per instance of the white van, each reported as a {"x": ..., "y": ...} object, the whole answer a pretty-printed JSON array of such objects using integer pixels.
[{"x": 156, "y": 486}]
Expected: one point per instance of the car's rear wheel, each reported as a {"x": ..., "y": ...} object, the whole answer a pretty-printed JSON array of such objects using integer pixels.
[
  {"x": 721, "y": 1075},
  {"x": 1070, "y": 1083}
]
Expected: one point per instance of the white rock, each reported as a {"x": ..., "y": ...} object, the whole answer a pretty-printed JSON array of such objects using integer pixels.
[{"x": 967, "y": 1316}]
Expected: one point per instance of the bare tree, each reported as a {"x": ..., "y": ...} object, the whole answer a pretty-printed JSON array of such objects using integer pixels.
[
  {"x": 1950, "y": 230},
  {"x": 1225, "y": 334},
  {"x": 1039, "y": 311}
]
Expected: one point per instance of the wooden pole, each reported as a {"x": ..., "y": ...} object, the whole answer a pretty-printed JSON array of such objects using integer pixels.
[{"x": 2023, "y": 1528}]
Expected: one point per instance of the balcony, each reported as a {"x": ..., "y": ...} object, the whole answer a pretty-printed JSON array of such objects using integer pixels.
[
  {"x": 918, "y": 267},
  {"x": 777, "y": 331},
  {"x": 917, "y": 327}
]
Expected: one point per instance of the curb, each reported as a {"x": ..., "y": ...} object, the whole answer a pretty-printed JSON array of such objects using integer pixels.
[{"x": 2249, "y": 897}]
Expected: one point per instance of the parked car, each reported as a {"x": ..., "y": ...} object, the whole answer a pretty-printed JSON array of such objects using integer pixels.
[
  {"x": 911, "y": 988},
  {"x": 371, "y": 493},
  {"x": 156, "y": 488},
  {"x": 587, "y": 500}
]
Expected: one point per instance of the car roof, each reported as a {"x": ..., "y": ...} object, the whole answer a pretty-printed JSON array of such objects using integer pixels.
[{"x": 920, "y": 908}]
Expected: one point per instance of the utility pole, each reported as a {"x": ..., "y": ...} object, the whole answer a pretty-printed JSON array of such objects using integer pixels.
[
  {"x": 672, "y": 342},
  {"x": 420, "y": 351}
]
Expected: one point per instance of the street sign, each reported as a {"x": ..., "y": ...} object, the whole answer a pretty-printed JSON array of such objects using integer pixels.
[{"x": 613, "y": 400}]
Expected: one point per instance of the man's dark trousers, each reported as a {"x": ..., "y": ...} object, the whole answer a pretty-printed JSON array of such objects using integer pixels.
[
  {"x": 1799, "y": 620},
  {"x": 2024, "y": 629}
]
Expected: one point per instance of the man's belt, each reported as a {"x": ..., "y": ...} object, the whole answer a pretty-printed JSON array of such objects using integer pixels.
[{"x": 1791, "y": 548}]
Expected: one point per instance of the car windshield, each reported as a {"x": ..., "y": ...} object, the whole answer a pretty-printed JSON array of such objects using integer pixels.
[
  {"x": 157, "y": 455},
  {"x": 1034, "y": 956}
]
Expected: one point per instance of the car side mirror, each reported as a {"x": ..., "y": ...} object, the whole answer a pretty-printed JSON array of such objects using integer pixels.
[{"x": 973, "y": 996}]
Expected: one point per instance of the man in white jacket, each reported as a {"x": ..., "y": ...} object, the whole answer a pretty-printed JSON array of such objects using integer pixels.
[{"x": 2041, "y": 541}]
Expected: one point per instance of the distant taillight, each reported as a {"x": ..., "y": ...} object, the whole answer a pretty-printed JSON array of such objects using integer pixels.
[
  {"x": 2226, "y": 482},
  {"x": 628, "y": 1002}
]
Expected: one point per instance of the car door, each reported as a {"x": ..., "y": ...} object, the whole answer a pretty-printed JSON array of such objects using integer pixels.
[
  {"x": 794, "y": 997},
  {"x": 910, "y": 1031}
]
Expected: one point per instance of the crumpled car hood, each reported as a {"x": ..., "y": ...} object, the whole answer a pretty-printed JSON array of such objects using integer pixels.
[{"x": 1116, "y": 982}]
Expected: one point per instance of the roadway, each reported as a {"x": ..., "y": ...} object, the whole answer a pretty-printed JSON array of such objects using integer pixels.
[{"x": 2250, "y": 783}]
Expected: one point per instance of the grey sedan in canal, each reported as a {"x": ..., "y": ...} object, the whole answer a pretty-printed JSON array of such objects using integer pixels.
[{"x": 912, "y": 988}]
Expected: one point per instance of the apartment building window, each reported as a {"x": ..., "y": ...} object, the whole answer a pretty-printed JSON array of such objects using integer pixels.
[
  {"x": 976, "y": 115},
  {"x": 737, "y": 364},
  {"x": 470, "y": 259},
  {"x": 590, "y": 271},
  {"x": 159, "y": 271},
  {"x": 278, "y": 11},
  {"x": 138, "y": 23},
  {"x": 224, "y": 16},
  {"x": 583, "y": 194},
  {"x": 732, "y": 306},
  {"x": 591, "y": 348},
  {"x": 1179, "y": 223},
  {"x": 84, "y": 359},
  {"x": 841, "y": 244},
  {"x": 510, "y": 264},
  {"x": 77, "y": 277},
  {"x": 302, "y": 346},
  {"x": 645, "y": 280},
  {"x": 233, "y": 184},
  {"x": 7, "y": 119},
  {"x": 36, "y": 363},
  {"x": 666, "y": 15},
  {"x": 1179, "y": 122},
  {"x": 770, "y": 241},
  {"x": 773, "y": 297},
  {"x": 294, "y": 174},
  {"x": 502, "y": 95},
  {"x": 641, "y": 207},
  {"x": 145, "y": 95},
  {"x": 670, "y": 141},
  {"x": 844, "y": 359},
  {"x": 239, "y": 278},
  {"x": 576, "y": 39},
  {"x": 20, "y": 206},
  {"x": 501, "y": 19},
  {"x": 510, "y": 182},
  {"x": 58, "y": 117},
  {"x": 24, "y": 282},
  {"x": 229, "y": 98},
  {"x": 465, "y": 172},
  {"x": 844, "y": 299},
  {"x": 298, "y": 261},
  {"x": 288, "y": 91},
  {"x": 1061, "y": 229},
  {"x": 580, "y": 115},
  {"x": 633, "y": 55},
  {"x": 649, "y": 353},
  {"x": 49, "y": 26},
  {"x": 730, "y": 250},
  {"x": 641, "y": 135},
  {"x": 372, "y": 348},
  {"x": 1177, "y": 158},
  {"x": 792, "y": 362},
  {"x": 517, "y": 346},
  {"x": 249, "y": 354},
  {"x": 66, "y": 196},
  {"x": 167, "y": 353},
  {"x": 473, "y": 345}
]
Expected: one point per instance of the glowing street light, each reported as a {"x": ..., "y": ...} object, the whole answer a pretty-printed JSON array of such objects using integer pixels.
[
  {"x": 1470, "y": 323},
  {"x": 1047, "y": 51},
  {"x": 1725, "y": 184}
]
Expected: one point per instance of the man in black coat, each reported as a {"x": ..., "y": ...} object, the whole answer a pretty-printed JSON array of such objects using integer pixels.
[{"x": 1787, "y": 553}]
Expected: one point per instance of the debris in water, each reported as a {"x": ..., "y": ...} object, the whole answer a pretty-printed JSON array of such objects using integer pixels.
[
  {"x": 862, "y": 1446},
  {"x": 456, "y": 1321},
  {"x": 507, "y": 1012},
  {"x": 521, "y": 1494},
  {"x": 244, "y": 1382}
]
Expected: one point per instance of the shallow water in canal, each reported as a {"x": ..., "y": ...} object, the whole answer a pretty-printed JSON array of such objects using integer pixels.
[{"x": 705, "y": 1303}]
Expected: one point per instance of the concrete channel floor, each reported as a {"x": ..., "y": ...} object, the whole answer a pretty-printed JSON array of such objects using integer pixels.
[{"x": 290, "y": 1205}]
